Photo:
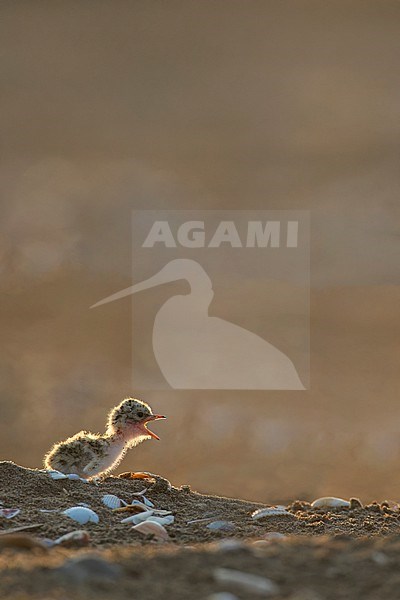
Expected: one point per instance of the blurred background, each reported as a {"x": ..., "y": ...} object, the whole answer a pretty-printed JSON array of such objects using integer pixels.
[{"x": 116, "y": 105}]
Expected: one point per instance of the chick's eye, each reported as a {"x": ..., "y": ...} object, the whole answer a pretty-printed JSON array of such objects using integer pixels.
[{"x": 140, "y": 414}]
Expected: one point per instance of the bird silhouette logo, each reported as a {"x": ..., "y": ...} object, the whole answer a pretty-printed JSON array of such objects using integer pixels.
[{"x": 196, "y": 351}]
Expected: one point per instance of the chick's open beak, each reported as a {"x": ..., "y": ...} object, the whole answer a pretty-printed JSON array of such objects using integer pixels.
[{"x": 152, "y": 418}]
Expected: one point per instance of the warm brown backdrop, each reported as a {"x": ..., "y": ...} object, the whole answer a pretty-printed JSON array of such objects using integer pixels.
[{"x": 113, "y": 105}]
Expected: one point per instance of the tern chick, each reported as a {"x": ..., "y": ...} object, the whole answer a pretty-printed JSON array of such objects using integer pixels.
[{"x": 90, "y": 455}]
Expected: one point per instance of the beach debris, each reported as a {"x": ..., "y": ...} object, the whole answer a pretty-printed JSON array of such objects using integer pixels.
[
  {"x": 140, "y": 493},
  {"x": 355, "y": 503},
  {"x": 151, "y": 528},
  {"x": 246, "y": 582},
  {"x": 74, "y": 476},
  {"x": 160, "y": 483},
  {"x": 73, "y": 539},
  {"x": 139, "y": 475},
  {"x": 202, "y": 520},
  {"x": 221, "y": 526},
  {"x": 56, "y": 475},
  {"x": 271, "y": 511},
  {"x": 141, "y": 505},
  {"x": 89, "y": 568},
  {"x": 21, "y": 541},
  {"x": 81, "y": 515},
  {"x": 111, "y": 501},
  {"x": 9, "y": 513},
  {"x": 168, "y": 520},
  {"x": 147, "y": 502},
  {"x": 138, "y": 518},
  {"x": 330, "y": 502}
]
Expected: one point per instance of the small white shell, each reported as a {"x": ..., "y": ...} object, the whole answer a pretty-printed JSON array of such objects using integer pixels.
[
  {"x": 138, "y": 503},
  {"x": 150, "y": 527},
  {"x": 57, "y": 475},
  {"x": 111, "y": 501},
  {"x": 273, "y": 511},
  {"x": 138, "y": 518},
  {"x": 246, "y": 581},
  {"x": 81, "y": 514},
  {"x": 330, "y": 502},
  {"x": 162, "y": 520}
]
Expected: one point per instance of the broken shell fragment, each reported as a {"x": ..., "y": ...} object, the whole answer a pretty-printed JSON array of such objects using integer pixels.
[
  {"x": 140, "y": 493},
  {"x": 57, "y": 475},
  {"x": 81, "y": 515},
  {"x": 221, "y": 526},
  {"x": 147, "y": 502},
  {"x": 152, "y": 528},
  {"x": 330, "y": 502},
  {"x": 272, "y": 511},
  {"x": 9, "y": 513},
  {"x": 111, "y": 501},
  {"x": 74, "y": 538},
  {"x": 138, "y": 518},
  {"x": 161, "y": 520}
]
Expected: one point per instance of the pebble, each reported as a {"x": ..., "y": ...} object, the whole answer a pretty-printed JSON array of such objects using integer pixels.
[
  {"x": 247, "y": 582},
  {"x": 330, "y": 502},
  {"x": 168, "y": 520},
  {"x": 221, "y": 526},
  {"x": 88, "y": 568},
  {"x": 147, "y": 502}
]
